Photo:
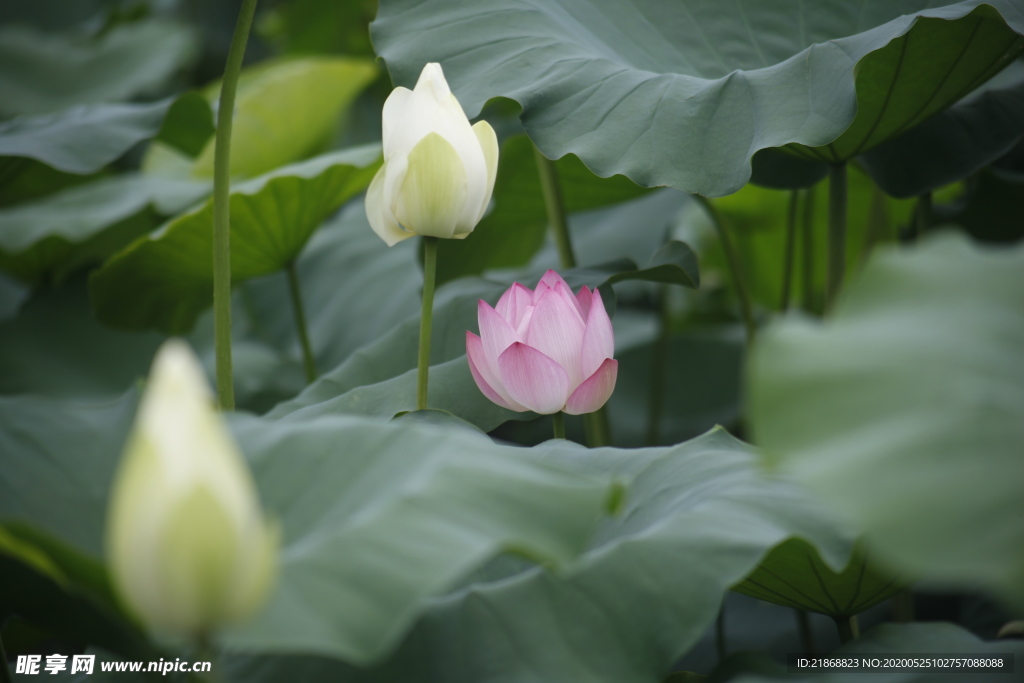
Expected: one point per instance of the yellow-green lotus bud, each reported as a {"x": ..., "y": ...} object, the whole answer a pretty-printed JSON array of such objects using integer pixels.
[
  {"x": 438, "y": 172},
  {"x": 187, "y": 542}
]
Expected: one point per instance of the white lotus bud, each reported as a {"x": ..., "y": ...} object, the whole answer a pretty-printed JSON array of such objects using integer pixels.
[
  {"x": 187, "y": 542},
  {"x": 438, "y": 172}
]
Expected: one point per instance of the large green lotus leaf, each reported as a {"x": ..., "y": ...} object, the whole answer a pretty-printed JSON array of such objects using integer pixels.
[
  {"x": 517, "y": 224},
  {"x": 59, "y": 460},
  {"x": 917, "y": 639},
  {"x": 82, "y": 139},
  {"x": 377, "y": 517},
  {"x": 905, "y": 410},
  {"x": 374, "y": 517},
  {"x": 954, "y": 143},
  {"x": 55, "y": 347},
  {"x": 88, "y": 222},
  {"x": 451, "y": 389},
  {"x": 45, "y": 72},
  {"x": 685, "y": 93},
  {"x": 794, "y": 576},
  {"x": 165, "y": 280},
  {"x": 287, "y": 109},
  {"x": 697, "y": 518}
]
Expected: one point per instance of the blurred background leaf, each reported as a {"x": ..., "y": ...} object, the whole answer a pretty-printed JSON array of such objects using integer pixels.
[
  {"x": 905, "y": 409},
  {"x": 45, "y": 72},
  {"x": 165, "y": 280}
]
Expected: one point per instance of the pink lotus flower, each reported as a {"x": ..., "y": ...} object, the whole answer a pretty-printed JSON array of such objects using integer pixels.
[{"x": 544, "y": 350}]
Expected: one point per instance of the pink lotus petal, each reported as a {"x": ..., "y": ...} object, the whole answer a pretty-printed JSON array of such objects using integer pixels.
[
  {"x": 506, "y": 306},
  {"x": 599, "y": 338},
  {"x": 532, "y": 379},
  {"x": 523, "y": 298},
  {"x": 595, "y": 391},
  {"x": 551, "y": 278},
  {"x": 583, "y": 299},
  {"x": 562, "y": 290},
  {"x": 514, "y": 302},
  {"x": 497, "y": 335},
  {"x": 541, "y": 290},
  {"x": 524, "y": 322},
  {"x": 478, "y": 368},
  {"x": 556, "y": 330}
]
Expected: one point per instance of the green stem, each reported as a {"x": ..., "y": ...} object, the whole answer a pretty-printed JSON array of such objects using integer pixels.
[
  {"x": 903, "y": 606},
  {"x": 659, "y": 369},
  {"x": 878, "y": 222},
  {"x": 848, "y": 628},
  {"x": 598, "y": 431},
  {"x": 553, "y": 202},
  {"x": 426, "y": 317},
  {"x": 222, "y": 209},
  {"x": 720, "y": 644},
  {"x": 807, "y": 227},
  {"x": 836, "y": 232},
  {"x": 923, "y": 214},
  {"x": 732, "y": 258},
  {"x": 803, "y": 620},
  {"x": 558, "y": 425},
  {"x": 308, "y": 359},
  {"x": 787, "y": 257},
  {"x": 5, "y": 672}
]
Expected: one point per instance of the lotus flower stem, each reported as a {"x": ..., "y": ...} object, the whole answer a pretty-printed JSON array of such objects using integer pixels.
[
  {"x": 308, "y": 359},
  {"x": 721, "y": 647},
  {"x": 426, "y": 317},
  {"x": 836, "y": 232},
  {"x": 803, "y": 621},
  {"x": 878, "y": 222},
  {"x": 597, "y": 428},
  {"x": 556, "y": 209},
  {"x": 807, "y": 228},
  {"x": 923, "y": 214},
  {"x": 733, "y": 259},
  {"x": 659, "y": 368},
  {"x": 903, "y": 606},
  {"x": 222, "y": 210},
  {"x": 558, "y": 425},
  {"x": 787, "y": 257},
  {"x": 848, "y": 628}
]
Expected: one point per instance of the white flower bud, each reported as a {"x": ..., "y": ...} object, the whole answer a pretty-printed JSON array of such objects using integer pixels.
[
  {"x": 438, "y": 172},
  {"x": 187, "y": 542}
]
